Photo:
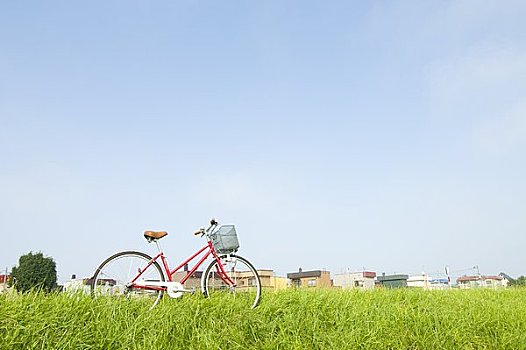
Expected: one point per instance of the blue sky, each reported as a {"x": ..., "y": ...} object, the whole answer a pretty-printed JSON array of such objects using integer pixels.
[{"x": 389, "y": 136}]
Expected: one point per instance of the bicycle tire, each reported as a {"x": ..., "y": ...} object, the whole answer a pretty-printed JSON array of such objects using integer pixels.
[
  {"x": 248, "y": 283},
  {"x": 114, "y": 274}
]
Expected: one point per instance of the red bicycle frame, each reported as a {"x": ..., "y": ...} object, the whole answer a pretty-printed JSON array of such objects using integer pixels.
[{"x": 222, "y": 273}]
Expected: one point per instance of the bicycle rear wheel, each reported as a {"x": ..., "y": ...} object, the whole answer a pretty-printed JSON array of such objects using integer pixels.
[
  {"x": 113, "y": 277},
  {"x": 237, "y": 281}
]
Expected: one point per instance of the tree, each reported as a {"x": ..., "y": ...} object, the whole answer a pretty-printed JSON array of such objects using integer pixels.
[
  {"x": 519, "y": 282},
  {"x": 34, "y": 271}
]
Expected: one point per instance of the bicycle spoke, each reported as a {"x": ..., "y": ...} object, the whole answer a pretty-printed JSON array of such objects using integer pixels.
[
  {"x": 114, "y": 276},
  {"x": 235, "y": 280}
]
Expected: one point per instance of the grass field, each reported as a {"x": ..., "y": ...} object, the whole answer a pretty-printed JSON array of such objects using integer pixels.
[{"x": 330, "y": 319}]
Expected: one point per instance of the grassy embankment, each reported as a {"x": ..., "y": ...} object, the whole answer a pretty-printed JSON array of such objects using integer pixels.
[{"x": 380, "y": 319}]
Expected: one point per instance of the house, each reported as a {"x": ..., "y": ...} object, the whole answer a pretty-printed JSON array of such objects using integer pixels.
[
  {"x": 419, "y": 281},
  {"x": 4, "y": 280},
  {"x": 279, "y": 282},
  {"x": 193, "y": 282},
  {"x": 269, "y": 281},
  {"x": 77, "y": 284},
  {"x": 310, "y": 279},
  {"x": 392, "y": 281},
  {"x": 507, "y": 277},
  {"x": 105, "y": 285},
  {"x": 480, "y": 281},
  {"x": 350, "y": 280},
  {"x": 439, "y": 283}
]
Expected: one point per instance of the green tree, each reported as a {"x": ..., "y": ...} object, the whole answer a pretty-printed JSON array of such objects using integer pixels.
[
  {"x": 35, "y": 271},
  {"x": 520, "y": 282}
]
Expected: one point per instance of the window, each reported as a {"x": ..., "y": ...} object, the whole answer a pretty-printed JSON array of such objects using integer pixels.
[
  {"x": 311, "y": 283},
  {"x": 296, "y": 283}
]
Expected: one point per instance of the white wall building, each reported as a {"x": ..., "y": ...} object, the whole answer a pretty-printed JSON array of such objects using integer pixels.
[
  {"x": 419, "y": 281},
  {"x": 77, "y": 285},
  {"x": 349, "y": 280}
]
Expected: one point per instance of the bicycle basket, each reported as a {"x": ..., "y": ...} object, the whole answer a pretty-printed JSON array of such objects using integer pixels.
[{"x": 224, "y": 239}]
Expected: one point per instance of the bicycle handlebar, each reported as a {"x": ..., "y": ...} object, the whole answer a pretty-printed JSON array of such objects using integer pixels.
[{"x": 202, "y": 230}]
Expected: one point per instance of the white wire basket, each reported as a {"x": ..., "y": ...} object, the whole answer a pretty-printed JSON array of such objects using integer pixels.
[{"x": 224, "y": 239}]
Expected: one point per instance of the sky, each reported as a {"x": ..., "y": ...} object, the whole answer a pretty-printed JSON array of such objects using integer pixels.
[{"x": 344, "y": 135}]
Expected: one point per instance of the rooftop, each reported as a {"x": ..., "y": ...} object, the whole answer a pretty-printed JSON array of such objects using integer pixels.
[
  {"x": 478, "y": 278},
  {"x": 304, "y": 274},
  {"x": 392, "y": 277}
]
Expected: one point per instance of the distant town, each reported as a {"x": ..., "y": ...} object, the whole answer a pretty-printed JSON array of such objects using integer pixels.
[{"x": 361, "y": 280}]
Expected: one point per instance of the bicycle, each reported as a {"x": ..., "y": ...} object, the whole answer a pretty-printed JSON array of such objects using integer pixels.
[{"x": 134, "y": 274}]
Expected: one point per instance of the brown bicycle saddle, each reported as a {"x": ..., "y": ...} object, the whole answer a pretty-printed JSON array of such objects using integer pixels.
[{"x": 149, "y": 235}]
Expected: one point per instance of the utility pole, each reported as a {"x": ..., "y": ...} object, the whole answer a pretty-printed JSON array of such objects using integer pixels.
[
  {"x": 478, "y": 274},
  {"x": 477, "y": 268},
  {"x": 448, "y": 276}
]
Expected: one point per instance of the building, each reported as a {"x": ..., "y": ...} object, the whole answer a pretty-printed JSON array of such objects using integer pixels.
[
  {"x": 507, "y": 277},
  {"x": 350, "y": 280},
  {"x": 480, "y": 281},
  {"x": 4, "y": 280},
  {"x": 77, "y": 285},
  {"x": 193, "y": 282},
  {"x": 310, "y": 279},
  {"x": 392, "y": 281},
  {"x": 419, "y": 281},
  {"x": 279, "y": 282},
  {"x": 439, "y": 283},
  {"x": 269, "y": 281}
]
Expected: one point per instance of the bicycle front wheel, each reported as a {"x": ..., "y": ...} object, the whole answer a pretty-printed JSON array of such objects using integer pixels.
[
  {"x": 232, "y": 279},
  {"x": 113, "y": 277}
]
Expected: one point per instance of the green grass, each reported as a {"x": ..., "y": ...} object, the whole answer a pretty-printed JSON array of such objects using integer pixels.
[{"x": 330, "y": 319}]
